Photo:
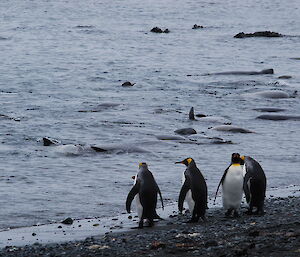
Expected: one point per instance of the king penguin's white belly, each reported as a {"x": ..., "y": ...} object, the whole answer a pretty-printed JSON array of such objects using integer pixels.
[
  {"x": 233, "y": 187},
  {"x": 188, "y": 198},
  {"x": 244, "y": 170},
  {"x": 139, "y": 207}
]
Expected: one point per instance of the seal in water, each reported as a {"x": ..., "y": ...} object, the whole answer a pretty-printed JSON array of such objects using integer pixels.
[
  {"x": 269, "y": 109},
  {"x": 185, "y": 131},
  {"x": 272, "y": 94},
  {"x": 47, "y": 141},
  {"x": 192, "y": 114},
  {"x": 168, "y": 137},
  {"x": 285, "y": 77},
  {"x": 146, "y": 189},
  {"x": 277, "y": 117},
  {"x": 232, "y": 186},
  {"x": 231, "y": 128},
  {"x": 255, "y": 183},
  {"x": 266, "y": 71},
  {"x": 193, "y": 191}
]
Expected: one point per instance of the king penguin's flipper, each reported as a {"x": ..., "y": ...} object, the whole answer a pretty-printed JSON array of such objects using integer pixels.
[
  {"x": 161, "y": 199},
  {"x": 184, "y": 189},
  {"x": 221, "y": 182},
  {"x": 246, "y": 187},
  {"x": 131, "y": 195}
]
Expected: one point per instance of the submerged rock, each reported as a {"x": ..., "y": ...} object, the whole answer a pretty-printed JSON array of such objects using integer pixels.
[
  {"x": 258, "y": 34},
  {"x": 128, "y": 84},
  {"x": 197, "y": 26},
  {"x": 67, "y": 221},
  {"x": 159, "y": 30}
]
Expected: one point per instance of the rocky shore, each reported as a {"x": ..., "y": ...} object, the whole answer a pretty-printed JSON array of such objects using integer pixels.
[{"x": 277, "y": 233}]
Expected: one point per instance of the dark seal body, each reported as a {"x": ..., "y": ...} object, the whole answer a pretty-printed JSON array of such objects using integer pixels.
[
  {"x": 255, "y": 183},
  {"x": 194, "y": 191},
  {"x": 146, "y": 189}
]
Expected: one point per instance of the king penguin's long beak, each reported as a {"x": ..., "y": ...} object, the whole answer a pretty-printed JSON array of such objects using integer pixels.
[{"x": 178, "y": 162}]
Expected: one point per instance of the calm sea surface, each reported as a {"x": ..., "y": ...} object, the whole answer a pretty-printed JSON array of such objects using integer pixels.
[{"x": 62, "y": 65}]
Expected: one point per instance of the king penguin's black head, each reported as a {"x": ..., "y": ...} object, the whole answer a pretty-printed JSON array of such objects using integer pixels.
[
  {"x": 143, "y": 164},
  {"x": 236, "y": 158},
  {"x": 186, "y": 161}
]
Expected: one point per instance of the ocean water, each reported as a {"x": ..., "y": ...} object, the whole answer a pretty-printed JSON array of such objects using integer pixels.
[{"x": 62, "y": 65}]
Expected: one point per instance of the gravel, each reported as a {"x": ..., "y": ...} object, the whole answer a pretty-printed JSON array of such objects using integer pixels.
[{"x": 277, "y": 233}]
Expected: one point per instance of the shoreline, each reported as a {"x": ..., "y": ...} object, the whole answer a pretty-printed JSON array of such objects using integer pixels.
[{"x": 277, "y": 233}]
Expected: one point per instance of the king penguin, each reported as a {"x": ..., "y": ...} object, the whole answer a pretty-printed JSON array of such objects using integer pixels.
[
  {"x": 193, "y": 191},
  {"x": 232, "y": 186},
  {"x": 255, "y": 183},
  {"x": 145, "y": 190}
]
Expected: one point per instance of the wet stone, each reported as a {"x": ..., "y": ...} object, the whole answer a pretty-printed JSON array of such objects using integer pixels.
[
  {"x": 156, "y": 245},
  {"x": 258, "y": 34},
  {"x": 197, "y": 26},
  {"x": 159, "y": 30},
  {"x": 67, "y": 221},
  {"x": 211, "y": 243},
  {"x": 128, "y": 84},
  {"x": 254, "y": 233}
]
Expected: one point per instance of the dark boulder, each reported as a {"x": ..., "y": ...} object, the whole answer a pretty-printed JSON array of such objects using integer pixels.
[
  {"x": 258, "y": 34},
  {"x": 159, "y": 30},
  {"x": 128, "y": 84},
  {"x": 67, "y": 221},
  {"x": 197, "y": 26}
]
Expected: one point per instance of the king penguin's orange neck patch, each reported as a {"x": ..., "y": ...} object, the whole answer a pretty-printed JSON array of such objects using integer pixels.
[{"x": 189, "y": 160}]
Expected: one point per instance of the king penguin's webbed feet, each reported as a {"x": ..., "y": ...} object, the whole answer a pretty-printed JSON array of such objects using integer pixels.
[
  {"x": 191, "y": 221},
  {"x": 236, "y": 214},
  {"x": 141, "y": 224},
  {"x": 150, "y": 223},
  {"x": 259, "y": 213},
  {"x": 228, "y": 213},
  {"x": 249, "y": 212}
]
